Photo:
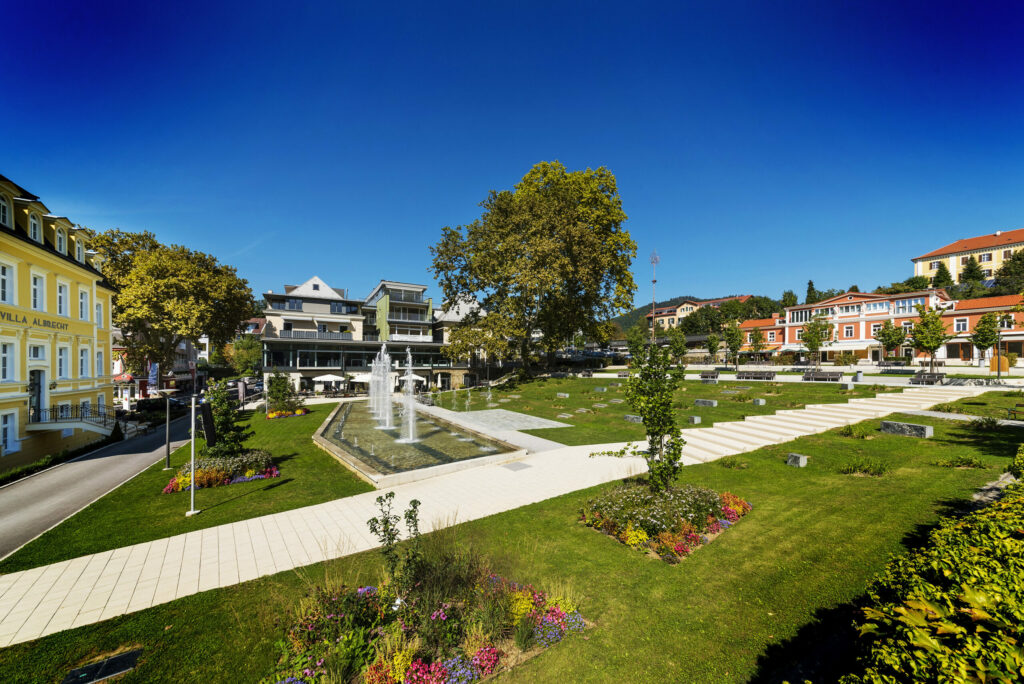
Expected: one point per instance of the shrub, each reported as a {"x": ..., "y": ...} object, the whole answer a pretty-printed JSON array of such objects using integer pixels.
[
  {"x": 949, "y": 407},
  {"x": 855, "y": 431},
  {"x": 1016, "y": 467},
  {"x": 846, "y": 358},
  {"x": 255, "y": 464},
  {"x": 986, "y": 423},
  {"x": 961, "y": 461},
  {"x": 1011, "y": 358},
  {"x": 865, "y": 466},
  {"x": 732, "y": 462},
  {"x": 951, "y": 611}
]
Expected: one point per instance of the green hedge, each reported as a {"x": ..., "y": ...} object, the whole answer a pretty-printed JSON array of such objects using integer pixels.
[{"x": 952, "y": 611}]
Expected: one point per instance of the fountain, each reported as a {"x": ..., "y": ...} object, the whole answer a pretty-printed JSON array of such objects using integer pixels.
[
  {"x": 380, "y": 390},
  {"x": 409, "y": 403}
]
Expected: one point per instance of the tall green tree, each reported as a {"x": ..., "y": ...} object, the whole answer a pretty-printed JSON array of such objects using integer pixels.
[
  {"x": 704, "y": 320},
  {"x": 986, "y": 332},
  {"x": 929, "y": 333},
  {"x": 676, "y": 344},
  {"x": 549, "y": 256},
  {"x": 890, "y": 337},
  {"x": 733, "y": 341},
  {"x": 167, "y": 295},
  {"x": 1010, "y": 276},
  {"x": 228, "y": 421},
  {"x": 942, "y": 277},
  {"x": 789, "y": 299},
  {"x": 713, "y": 343},
  {"x": 971, "y": 272},
  {"x": 812, "y": 295},
  {"x": 757, "y": 340},
  {"x": 637, "y": 338},
  {"x": 246, "y": 355},
  {"x": 817, "y": 334}
]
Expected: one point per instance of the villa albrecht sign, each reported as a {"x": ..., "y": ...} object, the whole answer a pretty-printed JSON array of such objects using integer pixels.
[{"x": 22, "y": 319}]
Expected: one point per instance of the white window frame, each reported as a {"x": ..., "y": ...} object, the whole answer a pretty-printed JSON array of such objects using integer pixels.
[
  {"x": 985, "y": 258},
  {"x": 908, "y": 325},
  {"x": 60, "y": 242},
  {"x": 8, "y": 283},
  {"x": 933, "y": 265},
  {"x": 99, "y": 315},
  {"x": 799, "y": 334},
  {"x": 960, "y": 325},
  {"x": 63, "y": 297},
  {"x": 79, "y": 250},
  {"x": 1007, "y": 254},
  {"x": 99, "y": 372},
  {"x": 848, "y": 331},
  {"x": 61, "y": 412},
  {"x": 6, "y": 209},
  {"x": 83, "y": 304},
  {"x": 875, "y": 327},
  {"x": 8, "y": 361},
  {"x": 9, "y": 442},
  {"x": 771, "y": 335},
  {"x": 63, "y": 361},
  {"x": 84, "y": 362},
  {"x": 986, "y": 273},
  {"x": 37, "y": 301},
  {"x": 1006, "y": 322},
  {"x": 35, "y": 228}
]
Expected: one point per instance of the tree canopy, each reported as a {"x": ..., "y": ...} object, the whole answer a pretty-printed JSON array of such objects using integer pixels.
[
  {"x": 1010, "y": 276},
  {"x": 757, "y": 340},
  {"x": 550, "y": 256},
  {"x": 929, "y": 333},
  {"x": 817, "y": 333},
  {"x": 789, "y": 299},
  {"x": 986, "y": 332},
  {"x": 169, "y": 294},
  {"x": 942, "y": 277},
  {"x": 733, "y": 340},
  {"x": 971, "y": 272},
  {"x": 891, "y": 336}
]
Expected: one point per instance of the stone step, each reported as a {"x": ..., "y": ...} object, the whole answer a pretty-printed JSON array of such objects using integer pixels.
[
  {"x": 783, "y": 433},
  {"x": 706, "y": 436},
  {"x": 735, "y": 430},
  {"x": 805, "y": 426},
  {"x": 705, "y": 452},
  {"x": 764, "y": 436},
  {"x": 867, "y": 411},
  {"x": 842, "y": 418}
]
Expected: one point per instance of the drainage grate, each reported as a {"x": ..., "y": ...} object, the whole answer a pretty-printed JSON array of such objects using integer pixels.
[
  {"x": 104, "y": 669},
  {"x": 516, "y": 466}
]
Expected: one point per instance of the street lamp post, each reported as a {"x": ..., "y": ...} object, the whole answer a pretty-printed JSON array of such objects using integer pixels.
[
  {"x": 192, "y": 477},
  {"x": 166, "y": 394},
  {"x": 654, "y": 281}
]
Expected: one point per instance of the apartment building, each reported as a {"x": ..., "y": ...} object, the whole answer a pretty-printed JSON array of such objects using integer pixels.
[
  {"x": 55, "y": 333},
  {"x": 989, "y": 250},
  {"x": 857, "y": 316},
  {"x": 671, "y": 316},
  {"x": 773, "y": 331},
  {"x": 314, "y": 329}
]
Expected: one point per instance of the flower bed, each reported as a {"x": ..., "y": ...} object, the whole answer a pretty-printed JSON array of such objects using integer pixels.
[
  {"x": 370, "y": 635},
  {"x": 271, "y": 415},
  {"x": 670, "y": 524},
  {"x": 256, "y": 464}
]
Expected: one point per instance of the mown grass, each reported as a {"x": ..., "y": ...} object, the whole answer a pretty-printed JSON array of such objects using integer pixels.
[
  {"x": 137, "y": 511},
  {"x": 763, "y": 602},
  {"x": 607, "y": 424},
  {"x": 988, "y": 405}
]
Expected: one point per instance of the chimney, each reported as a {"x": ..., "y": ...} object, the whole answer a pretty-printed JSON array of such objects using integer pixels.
[{"x": 998, "y": 233}]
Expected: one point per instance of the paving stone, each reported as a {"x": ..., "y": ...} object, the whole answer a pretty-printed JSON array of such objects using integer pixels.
[
  {"x": 729, "y": 392},
  {"x": 706, "y": 402},
  {"x": 797, "y": 460},
  {"x": 504, "y": 401},
  {"x": 600, "y": 389},
  {"x": 600, "y": 405},
  {"x": 583, "y": 410},
  {"x": 515, "y": 396},
  {"x": 909, "y": 429},
  {"x": 617, "y": 401},
  {"x": 565, "y": 415},
  {"x": 561, "y": 395}
]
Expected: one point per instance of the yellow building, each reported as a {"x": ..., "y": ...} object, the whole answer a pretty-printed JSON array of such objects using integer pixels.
[
  {"x": 989, "y": 250},
  {"x": 55, "y": 342}
]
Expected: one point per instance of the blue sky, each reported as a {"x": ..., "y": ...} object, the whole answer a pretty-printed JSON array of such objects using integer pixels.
[{"x": 756, "y": 145}]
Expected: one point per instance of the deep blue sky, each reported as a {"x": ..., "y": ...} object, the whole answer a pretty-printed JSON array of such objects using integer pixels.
[{"x": 756, "y": 145}]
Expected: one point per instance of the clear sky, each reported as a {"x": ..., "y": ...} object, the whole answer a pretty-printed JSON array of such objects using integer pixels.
[{"x": 756, "y": 145}]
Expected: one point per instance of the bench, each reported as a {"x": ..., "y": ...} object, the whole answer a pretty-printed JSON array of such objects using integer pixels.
[
  {"x": 822, "y": 376},
  {"x": 623, "y": 374},
  {"x": 709, "y": 377},
  {"x": 937, "y": 363},
  {"x": 1015, "y": 412},
  {"x": 927, "y": 378},
  {"x": 755, "y": 375},
  {"x": 586, "y": 374}
]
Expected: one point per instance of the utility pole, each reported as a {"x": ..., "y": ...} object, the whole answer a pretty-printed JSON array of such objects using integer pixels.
[{"x": 654, "y": 281}]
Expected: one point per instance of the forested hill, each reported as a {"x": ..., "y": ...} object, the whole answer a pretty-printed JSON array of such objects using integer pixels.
[{"x": 628, "y": 320}]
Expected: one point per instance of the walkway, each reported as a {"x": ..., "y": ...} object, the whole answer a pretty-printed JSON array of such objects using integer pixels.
[
  {"x": 48, "y": 599},
  {"x": 35, "y": 504}
]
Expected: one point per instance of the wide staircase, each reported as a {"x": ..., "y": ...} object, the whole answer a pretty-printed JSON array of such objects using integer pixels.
[{"x": 754, "y": 432}]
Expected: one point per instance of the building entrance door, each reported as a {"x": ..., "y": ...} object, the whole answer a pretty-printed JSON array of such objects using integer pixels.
[{"x": 35, "y": 395}]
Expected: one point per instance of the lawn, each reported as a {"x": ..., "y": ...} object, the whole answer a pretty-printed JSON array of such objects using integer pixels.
[
  {"x": 137, "y": 512},
  {"x": 602, "y": 425},
  {"x": 768, "y": 600},
  {"x": 992, "y": 404}
]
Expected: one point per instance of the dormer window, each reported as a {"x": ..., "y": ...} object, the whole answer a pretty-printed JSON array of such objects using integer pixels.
[
  {"x": 316, "y": 286},
  {"x": 34, "y": 230},
  {"x": 5, "y": 211},
  {"x": 61, "y": 241}
]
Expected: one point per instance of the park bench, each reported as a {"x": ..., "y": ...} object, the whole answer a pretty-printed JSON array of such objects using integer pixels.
[
  {"x": 623, "y": 374},
  {"x": 755, "y": 375},
  {"x": 709, "y": 377},
  {"x": 923, "y": 378},
  {"x": 822, "y": 376},
  {"x": 586, "y": 374},
  {"x": 1015, "y": 412},
  {"x": 937, "y": 363}
]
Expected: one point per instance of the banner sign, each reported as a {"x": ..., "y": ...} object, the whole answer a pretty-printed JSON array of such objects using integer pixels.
[
  {"x": 154, "y": 374},
  {"x": 209, "y": 431}
]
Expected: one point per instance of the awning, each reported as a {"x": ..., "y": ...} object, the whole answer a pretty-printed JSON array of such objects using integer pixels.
[
  {"x": 366, "y": 377},
  {"x": 330, "y": 377},
  {"x": 124, "y": 378}
]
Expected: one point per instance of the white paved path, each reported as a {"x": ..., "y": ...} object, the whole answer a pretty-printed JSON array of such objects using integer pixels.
[{"x": 81, "y": 591}]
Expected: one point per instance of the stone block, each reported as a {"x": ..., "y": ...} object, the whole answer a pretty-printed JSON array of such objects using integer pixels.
[
  {"x": 709, "y": 381},
  {"x": 847, "y": 385},
  {"x": 617, "y": 401},
  {"x": 565, "y": 415},
  {"x": 760, "y": 402},
  {"x": 729, "y": 392},
  {"x": 630, "y": 418},
  {"x": 600, "y": 405},
  {"x": 694, "y": 420},
  {"x": 706, "y": 402},
  {"x": 562, "y": 395},
  {"x": 583, "y": 410},
  {"x": 600, "y": 389},
  {"x": 797, "y": 460},
  {"x": 909, "y": 429}
]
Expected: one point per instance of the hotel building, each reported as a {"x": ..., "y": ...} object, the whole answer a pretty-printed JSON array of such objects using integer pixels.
[
  {"x": 55, "y": 333},
  {"x": 671, "y": 316},
  {"x": 314, "y": 329},
  {"x": 989, "y": 250}
]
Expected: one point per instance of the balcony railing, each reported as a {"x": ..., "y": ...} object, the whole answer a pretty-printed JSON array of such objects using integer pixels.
[
  {"x": 417, "y": 318},
  {"x": 314, "y": 335},
  {"x": 411, "y": 338},
  {"x": 397, "y": 296},
  {"x": 372, "y": 338},
  {"x": 74, "y": 413}
]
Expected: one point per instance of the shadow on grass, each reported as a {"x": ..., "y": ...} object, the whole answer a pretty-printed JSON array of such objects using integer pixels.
[
  {"x": 1000, "y": 441},
  {"x": 277, "y": 483}
]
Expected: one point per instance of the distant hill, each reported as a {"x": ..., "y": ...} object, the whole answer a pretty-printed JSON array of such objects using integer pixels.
[{"x": 628, "y": 320}]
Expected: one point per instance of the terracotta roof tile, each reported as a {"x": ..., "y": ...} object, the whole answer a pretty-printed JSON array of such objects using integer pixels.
[
  {"x": 759, "y": 323},
  {"x": 1003, "y": 238},
  {"x": 988, "y": 302}
]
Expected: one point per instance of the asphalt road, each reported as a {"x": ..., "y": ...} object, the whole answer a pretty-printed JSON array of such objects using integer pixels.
[{"x": 33, "y": 505}]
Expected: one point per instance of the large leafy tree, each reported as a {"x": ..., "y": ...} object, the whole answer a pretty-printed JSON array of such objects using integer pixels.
[
  {"x": 169, "y": 294},
  {"x": 704, "y": 320},
  {"x": 676, "y": 344},
  {"x": 890, "y": 337},
  {"x": 817, "y": 334},
  {"x": 789, "y": 298},
  {"x": 713, "y": 342},
  {"x": 246, "y": 355},
  {"x": 550, "y": 256},
  {"x": 1010, "y": 276},
  {"x": 942, "y": 277},
  {"x": 637, "y": 338},
  {"x": 929, "y": 333},
  {"x": 757, "y": 340},
  {"x": 733, "y": 341}
]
